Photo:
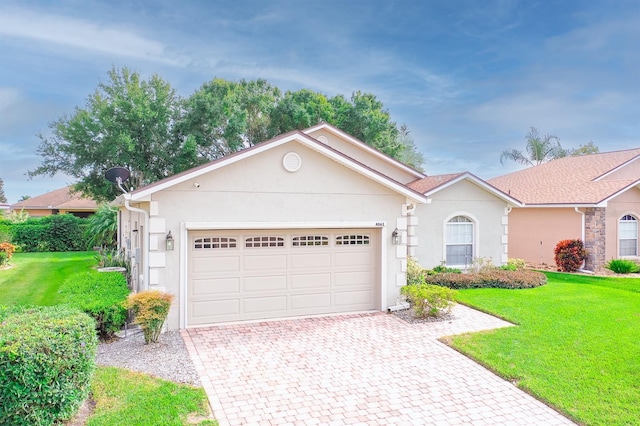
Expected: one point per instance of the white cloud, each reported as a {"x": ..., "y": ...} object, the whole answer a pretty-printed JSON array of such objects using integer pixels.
[{"x": 81, "y": 34}]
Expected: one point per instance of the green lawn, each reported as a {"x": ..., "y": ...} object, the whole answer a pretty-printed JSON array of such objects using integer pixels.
[
  {"x": 577, "y": 346},
  {"x": 122, "y": 397},
  {"x": 36, "y": 277}
]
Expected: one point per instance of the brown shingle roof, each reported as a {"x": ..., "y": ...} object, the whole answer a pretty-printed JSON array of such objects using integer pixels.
[
  {"x": 63, "y": 198},
  {"x": 587, "y": 179},
  {"x": 428, "y": 183}
]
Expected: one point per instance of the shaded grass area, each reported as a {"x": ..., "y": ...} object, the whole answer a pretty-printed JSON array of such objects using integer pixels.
[
  {"x": 577, "y": 346},
  {"x": 123, "y": 397},
  {"x": 35, "y": 278}
]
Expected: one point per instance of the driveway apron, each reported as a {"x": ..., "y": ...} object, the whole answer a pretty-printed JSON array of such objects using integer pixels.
[{"x": 365, "y": 369}]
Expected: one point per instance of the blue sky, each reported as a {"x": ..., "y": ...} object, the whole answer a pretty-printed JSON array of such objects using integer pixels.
[{"x": 468, "y": 77}]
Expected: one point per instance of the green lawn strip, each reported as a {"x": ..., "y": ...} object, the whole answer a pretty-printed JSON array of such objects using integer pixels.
[
  {"x": 124, "y": 397},
  {"x": 35, "y": 278},
  {"x": 576, "y": 346}
]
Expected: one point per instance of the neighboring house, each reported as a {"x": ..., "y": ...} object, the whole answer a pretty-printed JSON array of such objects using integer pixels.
[
  {"x": 310, "y": 222},
  {"x": 60, "y": 201},
  {"x": 4, "y": 208},
  {"x": 594, "y": 197}
]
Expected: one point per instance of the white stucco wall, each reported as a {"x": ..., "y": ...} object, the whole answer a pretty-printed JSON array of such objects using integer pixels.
[
  {"x": 467, "y": 199},
  {"x": 259, "y": 190}
]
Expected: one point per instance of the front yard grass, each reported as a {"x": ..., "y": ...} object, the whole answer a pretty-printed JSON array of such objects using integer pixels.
[
  {"x": 123, "y": 397},
  {"x": 35, "y": 278},
  {"x": 577, "y": 346}
]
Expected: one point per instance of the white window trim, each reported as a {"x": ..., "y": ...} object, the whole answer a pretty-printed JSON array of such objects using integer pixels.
[
  {"x": 637, "y": 236},
  {"x": 476, "y": 236}
]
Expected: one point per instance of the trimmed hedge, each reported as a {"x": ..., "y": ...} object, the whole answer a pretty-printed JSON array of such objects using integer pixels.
[
  {"x": 100, "y": 295},
  {"x": 46, "y": 363},
  {"x": 60, "y": 232},
  {"x": 494, "y": 278}
]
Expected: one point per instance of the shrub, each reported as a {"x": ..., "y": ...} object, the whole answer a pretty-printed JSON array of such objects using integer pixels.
[
  {"x": 443, "y": 268},
  {"x": 102, "y": 295},
  {"x": 150, "y": 309},
  {"x": 429, "y": 300},
  {"x": 514, "y": 265},
  {"x": 47, "y": 358},
  {"x": 479, "y": 264},
  {"x": 415, "y": 272},
  {"x": 61, "y": 232},
  {"x": 495, "y": 278},
  {"x": 569, "y": 255},
  {"x": 4, "y": 258},
  {"x": 102, "y": 227},
  {"x": 622, "y": 266}
]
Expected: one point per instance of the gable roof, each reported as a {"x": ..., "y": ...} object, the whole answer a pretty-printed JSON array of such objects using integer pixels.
[
  {"x": 365, "y": 147},
  {"x": 293, "y": 136},
  {"x": 59, "y": 199},
  {"x": 574, "y": 181},
  {"x": 433, "y": 184}
]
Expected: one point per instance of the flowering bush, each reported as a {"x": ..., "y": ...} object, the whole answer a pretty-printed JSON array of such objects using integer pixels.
[{"x": 569, "y": 255}]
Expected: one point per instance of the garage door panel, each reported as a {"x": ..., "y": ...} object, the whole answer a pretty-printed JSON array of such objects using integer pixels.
[
  {"x": 307, "y": 272},
  {"x": 353, "y": 278},
  {"x": 212, "y": 308},
  {"x": 266, "y": 304},
  {"x": 311, "y": 301},
  {"x": 218, "y": 264},
  {"x": 202, "y": 287},
  {"x": 305, "y": 281},
  {"x": 353, "y": 258},
  {"x": 355, "y": 299},
  {"x": 265, "y": 283},
  {"x": 257, "y": 262},
  {"x": 310, "y": 260}
]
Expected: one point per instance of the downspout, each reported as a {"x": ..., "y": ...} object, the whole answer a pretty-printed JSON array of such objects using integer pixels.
[{"x": 145, "y": 239}]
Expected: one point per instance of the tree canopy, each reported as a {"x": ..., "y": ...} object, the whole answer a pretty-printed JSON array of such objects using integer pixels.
[
  {"x": 146, "y": 127},
  {"x": 540, "y": 149},
  {"x": 3, "y": 198}
]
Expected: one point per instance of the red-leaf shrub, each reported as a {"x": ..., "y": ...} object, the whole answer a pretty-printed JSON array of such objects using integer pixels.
[{"x": 569, "y": 255}]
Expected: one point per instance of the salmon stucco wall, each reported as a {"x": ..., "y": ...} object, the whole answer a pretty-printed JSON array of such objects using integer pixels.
[{"x": 534, "y": 232}]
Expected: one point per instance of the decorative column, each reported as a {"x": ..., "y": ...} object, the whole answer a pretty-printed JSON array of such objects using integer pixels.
[{"x": 595, "y": 227}]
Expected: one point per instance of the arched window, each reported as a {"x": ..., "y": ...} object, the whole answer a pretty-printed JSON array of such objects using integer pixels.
[
  {"x": 628, "y": 235},
  {"x": 459, "y": 241}
]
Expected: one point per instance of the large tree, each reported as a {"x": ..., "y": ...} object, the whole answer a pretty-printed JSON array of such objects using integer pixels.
[
  {"x": 146, "y": 127},
  {"x": 540, "y": 149},
  {"x": 126, "y": 122}
]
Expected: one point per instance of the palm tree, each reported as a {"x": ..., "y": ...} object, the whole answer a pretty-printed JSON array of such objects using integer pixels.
[
  {"x": 539, "y": 149},
  {"x": 102, "y": 227}
]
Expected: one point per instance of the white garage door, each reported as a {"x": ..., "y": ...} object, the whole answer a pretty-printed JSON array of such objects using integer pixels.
[{"x": 244, "y": 275}]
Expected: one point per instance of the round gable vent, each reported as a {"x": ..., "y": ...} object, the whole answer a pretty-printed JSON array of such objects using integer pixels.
[
  {"x": 323, "y": 139},
  {"x": 291, "y": 162}
]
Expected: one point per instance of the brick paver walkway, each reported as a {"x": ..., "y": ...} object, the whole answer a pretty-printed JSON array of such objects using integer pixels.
[{"x": 365, "y": 369}]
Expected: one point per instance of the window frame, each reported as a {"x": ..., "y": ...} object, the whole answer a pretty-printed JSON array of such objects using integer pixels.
[
  {"x": 633, "y": 219},
  {"x": 470, "y": 221}
]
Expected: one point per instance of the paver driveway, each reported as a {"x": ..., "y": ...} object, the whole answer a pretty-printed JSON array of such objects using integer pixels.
[{"x": 369, "y": 369}]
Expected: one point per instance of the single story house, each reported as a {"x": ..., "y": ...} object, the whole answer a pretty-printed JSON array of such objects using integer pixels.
[
  {"x": 63, "y": 200},
  {"x": 595, "y": 198},
  {"x": 310, "y": 222}
]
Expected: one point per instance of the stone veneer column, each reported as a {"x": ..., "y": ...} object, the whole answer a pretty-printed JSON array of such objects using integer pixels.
[{"x": 594, "y": 238}]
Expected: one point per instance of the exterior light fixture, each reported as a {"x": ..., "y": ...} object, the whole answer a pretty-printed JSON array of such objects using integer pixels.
[
  {"x": 169, "y": 242},
  {"x": 395, "y": 237}
]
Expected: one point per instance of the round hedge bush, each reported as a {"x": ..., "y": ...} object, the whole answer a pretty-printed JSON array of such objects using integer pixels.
[{"x": 47, "y": 358}]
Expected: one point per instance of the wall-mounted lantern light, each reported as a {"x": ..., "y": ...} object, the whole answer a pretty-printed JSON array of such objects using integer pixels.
[
  {"x": 169, "y": 242},
  {"x": 395, "y": 237}
]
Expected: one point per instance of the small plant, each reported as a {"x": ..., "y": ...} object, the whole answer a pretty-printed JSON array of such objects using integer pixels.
[
  {"x": 479, "y": 264},
  {"x": 150, "y": 309},
  {"x": 6, "y": 252},
  {"x": 514, "y": 265},
  {"x": 415, "y": 272},
  {"x": 443, "y": 268},
  {"x": 429, "y": 300},
  {"x": 569, "y": 255},
  {"x": 623, "y": 266}
]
